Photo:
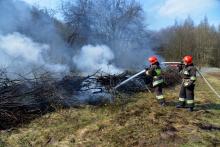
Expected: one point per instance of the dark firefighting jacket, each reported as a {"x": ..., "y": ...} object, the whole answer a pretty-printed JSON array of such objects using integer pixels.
[
  {"x": 188, "y": 74},
  {"x": 155, "y": 71}
]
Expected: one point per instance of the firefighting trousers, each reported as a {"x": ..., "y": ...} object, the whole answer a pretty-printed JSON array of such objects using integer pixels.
[
  {"x": 186, "y": 96},
  {"x": 159, "y": 93}
]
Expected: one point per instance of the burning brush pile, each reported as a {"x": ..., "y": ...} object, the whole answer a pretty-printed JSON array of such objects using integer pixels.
[{"x": 23, "y": 99}]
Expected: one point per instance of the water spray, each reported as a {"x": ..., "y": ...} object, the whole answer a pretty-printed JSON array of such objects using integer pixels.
[{"x": 132, "y": 77}]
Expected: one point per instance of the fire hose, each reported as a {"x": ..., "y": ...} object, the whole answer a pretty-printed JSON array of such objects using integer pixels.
[
  {"x": 206, "y": 81},
  {"x": 141, "y": 72}
]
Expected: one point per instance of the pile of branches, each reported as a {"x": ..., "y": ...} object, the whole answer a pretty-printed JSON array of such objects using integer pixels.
[
  {"x": 23, "y": 99},
  {"x": 139, "y": 84}
]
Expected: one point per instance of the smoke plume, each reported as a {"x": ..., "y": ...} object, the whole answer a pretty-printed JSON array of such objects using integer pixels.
[
  {"x": 93, "y": 58},
  {"x": 20, "y": 54},
  {"x": 29, "y": 40}
]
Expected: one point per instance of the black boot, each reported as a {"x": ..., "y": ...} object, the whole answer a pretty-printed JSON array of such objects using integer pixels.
[
  {"x": 191, "y": 109},
  {"x": 163, "y": 103},
  {"x": 181, "y": 105}
]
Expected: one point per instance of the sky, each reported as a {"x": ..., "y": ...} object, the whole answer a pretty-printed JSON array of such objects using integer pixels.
[{"x": 162, "y": 13}]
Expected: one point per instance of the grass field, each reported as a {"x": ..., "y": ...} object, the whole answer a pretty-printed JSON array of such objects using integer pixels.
[{"x": 139, "y": 122}]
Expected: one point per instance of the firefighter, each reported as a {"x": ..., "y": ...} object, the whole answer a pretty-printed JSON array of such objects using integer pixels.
[
  {"x": 155, "y": 72},
  {"x": 188, "y": 74}
]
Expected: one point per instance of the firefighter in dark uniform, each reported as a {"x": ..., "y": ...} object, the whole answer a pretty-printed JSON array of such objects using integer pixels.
[
  {"x": 155, "y": 72},
  {"x": 188, "y": 74}
]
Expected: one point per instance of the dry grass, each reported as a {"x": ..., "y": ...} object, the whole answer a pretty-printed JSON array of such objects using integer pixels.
[{"x": 141, "y": 122}]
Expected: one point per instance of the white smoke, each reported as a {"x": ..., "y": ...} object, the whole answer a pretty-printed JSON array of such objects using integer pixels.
[
  {"x": 17, "y": 45},
  {"x": 20, "y": 54},
  {"x": 93, "y": 58}
]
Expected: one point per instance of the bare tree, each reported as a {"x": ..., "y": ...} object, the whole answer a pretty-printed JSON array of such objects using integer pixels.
[{"x": 119, "y": 24}]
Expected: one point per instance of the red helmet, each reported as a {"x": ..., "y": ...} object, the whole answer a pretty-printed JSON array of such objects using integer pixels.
[
  {"x": 153, "y": 59},
  {"x": 188, "y": 59}
]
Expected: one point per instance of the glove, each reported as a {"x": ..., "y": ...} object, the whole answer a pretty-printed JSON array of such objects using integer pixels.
[
  {"x": 180, "y": 66},
  {"x": 146, "y": 70},
  {"x": 187, "y": 83}
]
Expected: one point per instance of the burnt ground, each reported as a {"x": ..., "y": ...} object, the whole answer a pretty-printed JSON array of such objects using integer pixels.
[
  {"x": 22, "y": 100},
  {"x": 134, "y": 120}
]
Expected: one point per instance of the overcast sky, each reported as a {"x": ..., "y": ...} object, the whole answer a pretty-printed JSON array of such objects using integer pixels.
[{"x": 161, "y": 13}]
